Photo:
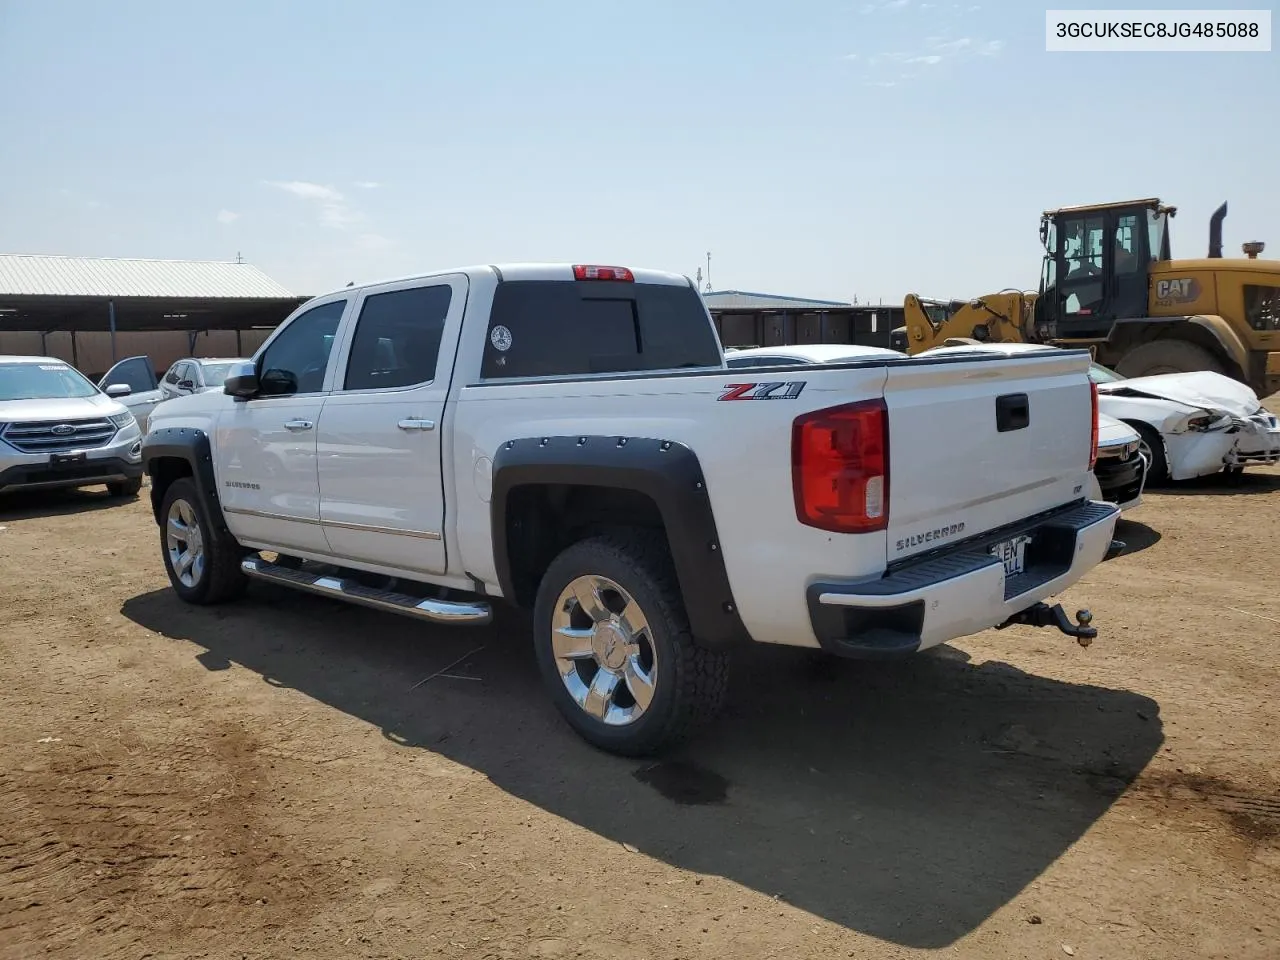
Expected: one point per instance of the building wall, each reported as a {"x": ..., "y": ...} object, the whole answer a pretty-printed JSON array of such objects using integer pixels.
[
  {"x": 864, "y": 326},
  {"x": 91, "y": 353}
]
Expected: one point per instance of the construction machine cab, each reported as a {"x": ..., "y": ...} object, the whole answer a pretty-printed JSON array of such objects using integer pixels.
[{"x": 1096, "y": 264}]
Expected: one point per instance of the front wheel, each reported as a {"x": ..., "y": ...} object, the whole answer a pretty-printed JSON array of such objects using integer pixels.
[
  {"x": 203, "y": 565},
  {"x": 1151, "y": 446},
  {"x": 125, "y": 488},
  {"x": 614, "y": 647}
]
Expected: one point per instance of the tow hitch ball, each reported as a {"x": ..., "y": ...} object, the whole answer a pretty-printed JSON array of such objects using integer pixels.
[{"x": 1043, "y": 615}]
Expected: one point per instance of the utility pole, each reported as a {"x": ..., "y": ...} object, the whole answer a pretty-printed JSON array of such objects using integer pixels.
[
  {"x": 709, "y": 287},
  {"x": 239, "y": 259}
]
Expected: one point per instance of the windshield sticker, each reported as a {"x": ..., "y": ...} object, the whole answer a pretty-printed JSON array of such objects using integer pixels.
[{"x": 49, "y": 366}]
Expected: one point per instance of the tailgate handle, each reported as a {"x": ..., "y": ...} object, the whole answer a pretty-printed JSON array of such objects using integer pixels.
[{"x": 1012, "y": 412}]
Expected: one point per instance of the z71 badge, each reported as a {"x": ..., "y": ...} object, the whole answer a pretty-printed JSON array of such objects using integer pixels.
[{"x": 763, "y": 391}]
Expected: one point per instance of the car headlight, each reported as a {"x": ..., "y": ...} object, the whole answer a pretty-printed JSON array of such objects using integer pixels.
[
  {"x": 1208, "y": 420},
  {"x": 123, "y": 420}
]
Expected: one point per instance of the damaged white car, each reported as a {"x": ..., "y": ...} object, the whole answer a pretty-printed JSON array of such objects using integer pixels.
[{"x": 1192, "y": 424}]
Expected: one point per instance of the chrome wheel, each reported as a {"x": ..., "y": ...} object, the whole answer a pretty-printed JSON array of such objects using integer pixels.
[
  {"x": 604, "y": 650},
  {"x": 184, "y": 543}
]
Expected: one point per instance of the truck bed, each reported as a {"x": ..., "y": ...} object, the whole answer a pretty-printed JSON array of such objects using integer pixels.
[{"x": 955, "y": 472}]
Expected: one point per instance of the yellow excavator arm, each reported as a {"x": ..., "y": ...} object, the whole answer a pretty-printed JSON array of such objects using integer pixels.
[{"x": 1003, "y": 317}]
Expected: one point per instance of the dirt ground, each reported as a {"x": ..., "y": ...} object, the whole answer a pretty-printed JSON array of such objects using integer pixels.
[{"x": 271, "y": 779}]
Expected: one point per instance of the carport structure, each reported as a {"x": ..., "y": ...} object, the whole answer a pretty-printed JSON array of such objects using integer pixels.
[{"x": 93, "y": 311}]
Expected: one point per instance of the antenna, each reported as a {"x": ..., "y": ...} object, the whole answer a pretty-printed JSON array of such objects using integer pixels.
[
  {"x": 697, "y": 279},
  {"x": 239, "y": 259},
  {"x": 709, "y": 287}
]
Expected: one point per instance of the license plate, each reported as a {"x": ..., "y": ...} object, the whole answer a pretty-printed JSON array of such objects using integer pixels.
[
  {"x": 61, "y": 459},
  {"x": 1013, "y": 554}
]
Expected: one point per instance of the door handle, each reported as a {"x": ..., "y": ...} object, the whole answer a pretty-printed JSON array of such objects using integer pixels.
[
  {"x": 298, "y": 424},
  {"x": 414, "y": 423}
]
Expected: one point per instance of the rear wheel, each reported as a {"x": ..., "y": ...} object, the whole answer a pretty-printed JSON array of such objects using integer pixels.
[
  {"x": 203, "y": 565},
  {"x": 614, "y": 647},
  {"x": 1167, "y": 356}
]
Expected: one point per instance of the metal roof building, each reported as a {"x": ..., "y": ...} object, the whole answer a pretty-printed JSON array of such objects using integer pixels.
[
  {"x": 35, "y": 276},
  {"x": 81, "y": 300},
  {"x": 746, "y": 300},
  {"x": 82, "y": 293}
]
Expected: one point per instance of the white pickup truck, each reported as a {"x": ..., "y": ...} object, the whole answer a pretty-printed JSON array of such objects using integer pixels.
[{"x": 568, "y": 439}]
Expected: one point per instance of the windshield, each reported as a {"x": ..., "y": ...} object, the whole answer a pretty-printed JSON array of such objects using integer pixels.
[
  {"x": 42, "y": 381},
  {"x": 1100, "y": 374},
  {"x": 216, "y": 373}
]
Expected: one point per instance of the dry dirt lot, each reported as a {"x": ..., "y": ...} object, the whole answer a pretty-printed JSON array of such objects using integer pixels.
[{"x": 269, "y": 779}]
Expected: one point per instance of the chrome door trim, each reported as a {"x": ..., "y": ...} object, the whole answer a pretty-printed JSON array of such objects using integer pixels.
[{"x": 359, "y": 527}]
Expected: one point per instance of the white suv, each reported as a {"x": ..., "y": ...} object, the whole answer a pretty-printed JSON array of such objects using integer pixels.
[
  {"x": 59, "y": 430},
  {"x": 196, "y": 375}
]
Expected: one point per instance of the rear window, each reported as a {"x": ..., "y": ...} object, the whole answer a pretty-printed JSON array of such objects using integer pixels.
[{"x": 540, "y": 328}]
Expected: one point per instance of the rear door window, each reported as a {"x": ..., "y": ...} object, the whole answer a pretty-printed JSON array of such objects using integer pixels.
[
  {"x": 571, "y": 328},
  {"x": 397, "y": 338}
]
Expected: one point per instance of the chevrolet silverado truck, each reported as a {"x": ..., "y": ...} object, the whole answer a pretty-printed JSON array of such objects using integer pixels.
[{"x": 567, "y": 439}]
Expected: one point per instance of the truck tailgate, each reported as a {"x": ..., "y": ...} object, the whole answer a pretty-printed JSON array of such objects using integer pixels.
[{"x": 979, "y": 443}]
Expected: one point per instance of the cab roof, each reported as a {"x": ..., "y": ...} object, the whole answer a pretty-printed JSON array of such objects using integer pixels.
[
  {"x": 1089, "y": 207},
  {"x": 526, "y": 271}
]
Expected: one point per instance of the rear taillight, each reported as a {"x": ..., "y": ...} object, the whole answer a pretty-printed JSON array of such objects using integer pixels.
[
  {"x": 1093, "y": 435},
  {"x": 584, "y": 272},
  {"x": 840, "y": 467}
]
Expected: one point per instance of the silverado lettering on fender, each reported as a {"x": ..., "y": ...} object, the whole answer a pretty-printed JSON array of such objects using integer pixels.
[{"x": 552, "y": 437}]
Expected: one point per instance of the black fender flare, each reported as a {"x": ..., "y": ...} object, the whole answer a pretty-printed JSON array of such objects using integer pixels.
[
  {"x": 666, "y": 472},
  {"x": 192, "y": 446}
]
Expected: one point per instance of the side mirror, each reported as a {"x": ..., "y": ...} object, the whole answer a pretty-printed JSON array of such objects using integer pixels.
[
  {"x": 186, "y": 385},
  {"x": 118, "y": 390},
  {"x": 242, "y": 383}
]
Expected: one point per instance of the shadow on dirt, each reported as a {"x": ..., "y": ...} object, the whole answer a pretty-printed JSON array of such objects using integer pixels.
[
  {"x": 906, "y": 801},
  {"x": 35, "y": 504},
  {"x": 1251, "y": 481},
  {"x": 1136, "y": 536}
]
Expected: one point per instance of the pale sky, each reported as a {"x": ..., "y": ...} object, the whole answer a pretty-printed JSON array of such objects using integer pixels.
[{"x": 816, "y": 148}]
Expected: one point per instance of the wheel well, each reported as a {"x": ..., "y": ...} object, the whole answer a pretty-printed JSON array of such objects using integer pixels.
[
  {"x": 544, "y": 519},
  {"x": 1146, "y": 431},
  {"x": 164, "y": 471}
]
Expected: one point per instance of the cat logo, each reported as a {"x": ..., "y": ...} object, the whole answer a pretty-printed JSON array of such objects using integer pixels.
[{"x": 1177, "y": 291}]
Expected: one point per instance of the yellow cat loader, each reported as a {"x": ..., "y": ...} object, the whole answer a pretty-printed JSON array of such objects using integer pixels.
[{"x": 1108, "y": 282}]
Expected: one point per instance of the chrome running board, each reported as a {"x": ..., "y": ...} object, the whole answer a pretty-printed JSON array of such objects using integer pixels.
[{"x": 477, "y": 613}]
